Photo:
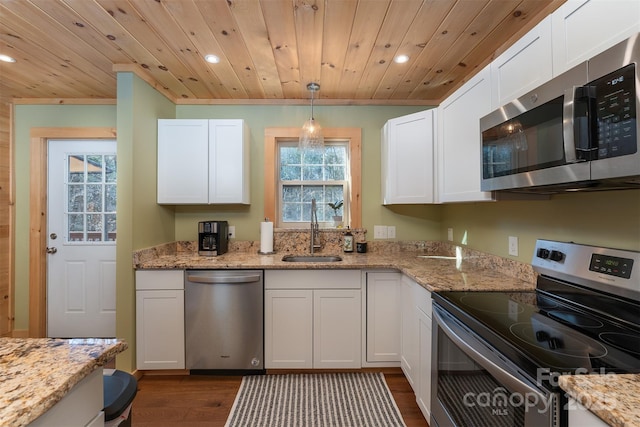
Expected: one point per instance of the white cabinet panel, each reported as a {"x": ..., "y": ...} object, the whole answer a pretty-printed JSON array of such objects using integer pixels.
[
  {"x": 81, "y": 406},
  {"x": 584, "y": 28},
  {"x": 183, "y": 166},
  {"x": 409, "y": 334},
  {"x": 383, "y": 317},
  {"x": 407, "y": 159},
  {"x": 288, "y": 328},
  {"x": 580, "y": 416},
  {"x": 459, "y": 141},
  {"x": 203, "y": 161},
  {"x": 336, "y": 328},
  {"x": 317, "y": 325},
  {"x": 228, "y": 162},
  {"x": 423, "y": 391},
  {"x": 160, "y": 319},
  {"x": 522, "y": 67}
]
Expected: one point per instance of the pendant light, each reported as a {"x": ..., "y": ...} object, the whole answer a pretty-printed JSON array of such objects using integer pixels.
[{"x": 311, "y": 132}]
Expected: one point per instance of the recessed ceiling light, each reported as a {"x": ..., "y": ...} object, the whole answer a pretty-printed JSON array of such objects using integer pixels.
[
  {"x": 401, "y": 59},
  {"x": 213, "y": 59},
  {"x": 6, "y": 58}
]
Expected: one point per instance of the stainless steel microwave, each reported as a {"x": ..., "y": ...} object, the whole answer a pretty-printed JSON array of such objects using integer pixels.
[{"x": 579, "y": 131}]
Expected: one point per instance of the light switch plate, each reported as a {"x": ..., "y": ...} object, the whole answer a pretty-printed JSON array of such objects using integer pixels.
[
  {"x": 232, "y": 231},
  {"x": 450, "y": 234},
  {"x": 379, "y": 232},
  {"x": 513, "y": 245}
]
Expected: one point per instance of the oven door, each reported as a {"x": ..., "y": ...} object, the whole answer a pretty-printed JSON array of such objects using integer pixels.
[{"x": 473, "y": 385}]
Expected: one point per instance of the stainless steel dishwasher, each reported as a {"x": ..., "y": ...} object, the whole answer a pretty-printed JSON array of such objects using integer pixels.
[{"x": 224, "y": 320}]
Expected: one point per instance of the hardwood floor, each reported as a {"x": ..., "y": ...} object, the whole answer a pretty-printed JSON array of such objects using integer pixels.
[{"x": 199, "y": 400}]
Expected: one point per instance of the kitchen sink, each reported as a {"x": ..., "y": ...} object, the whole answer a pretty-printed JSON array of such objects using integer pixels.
[{"x": 311, "y": 258}]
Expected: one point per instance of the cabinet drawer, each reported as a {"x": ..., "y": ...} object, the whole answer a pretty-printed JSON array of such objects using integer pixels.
[
  {"x": 159, "y": 279},
  {"x": 312, "y": 279}
]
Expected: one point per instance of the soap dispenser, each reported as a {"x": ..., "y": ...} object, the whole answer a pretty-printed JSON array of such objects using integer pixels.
[{"x": 348, "y": 241}]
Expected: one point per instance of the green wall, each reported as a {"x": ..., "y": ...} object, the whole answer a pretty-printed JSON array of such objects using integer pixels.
[
  {"x": 412, "y": 222},
  {"x": 27, "y": 117},
  {"x": 609, "y": 219},
  {"x": 141, "y": 221}
]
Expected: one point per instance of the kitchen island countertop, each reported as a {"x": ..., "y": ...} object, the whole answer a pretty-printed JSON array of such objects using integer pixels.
[
  {"x": 36, "y": 373},
  {"x": 613, "y": 398}
]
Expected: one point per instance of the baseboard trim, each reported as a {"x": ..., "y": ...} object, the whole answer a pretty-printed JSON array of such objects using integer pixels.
[{"x": 20, "y": 333}]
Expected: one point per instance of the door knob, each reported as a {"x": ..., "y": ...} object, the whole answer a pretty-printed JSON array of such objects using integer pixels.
[{"x": 52, "y": 250}]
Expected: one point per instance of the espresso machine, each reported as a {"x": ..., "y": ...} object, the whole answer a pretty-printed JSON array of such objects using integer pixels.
[{"x": 213, "y": 238}]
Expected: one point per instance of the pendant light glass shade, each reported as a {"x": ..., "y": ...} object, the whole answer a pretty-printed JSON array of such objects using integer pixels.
[{"x": 311, "y": 133}]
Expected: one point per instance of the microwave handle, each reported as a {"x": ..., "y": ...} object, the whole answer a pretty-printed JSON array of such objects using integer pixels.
[
  {"x": 568, "y": 115},
  {"x": 454, "y": 333}
]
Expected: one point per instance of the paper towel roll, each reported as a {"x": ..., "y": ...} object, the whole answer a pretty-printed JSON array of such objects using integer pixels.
[{"x": 266, "y": 237}]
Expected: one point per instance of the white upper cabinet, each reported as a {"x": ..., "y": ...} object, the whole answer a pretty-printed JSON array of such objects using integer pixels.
[
  {"x": 584, "y": 28},
  {"x": 407, "y": 159},
  {"x": 183, "y": 164},
  {"x": 524, "y": 66},
  {"x": 459, "y": 144},
  {"x": 203, "y": 161}
]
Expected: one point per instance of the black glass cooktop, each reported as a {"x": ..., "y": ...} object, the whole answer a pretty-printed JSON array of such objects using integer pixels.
[{"x": 543, "y": 330}]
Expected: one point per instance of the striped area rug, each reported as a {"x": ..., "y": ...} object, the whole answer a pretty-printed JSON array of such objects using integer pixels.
[{"x": 359, "y": 399}]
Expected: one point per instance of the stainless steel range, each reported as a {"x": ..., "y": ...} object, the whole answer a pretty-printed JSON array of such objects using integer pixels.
[{"x": 498, "y": 355}]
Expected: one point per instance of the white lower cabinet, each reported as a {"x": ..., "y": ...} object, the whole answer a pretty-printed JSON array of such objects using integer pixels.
[
  {"x": 383, "y": 319},
  {"x": 580, "y": 416},
  {"x": 312, "y": 319},
  {"x": 409, "y": 333},
  {"x": 423, "y": 391},
  {"x": 81, "y": 406},
  {"x": 160, "y": 319},
  {"x": 416, "y": 341}
]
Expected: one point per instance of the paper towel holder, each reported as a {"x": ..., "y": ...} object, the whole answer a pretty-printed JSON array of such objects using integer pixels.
[{"x": 266, "y": 219}]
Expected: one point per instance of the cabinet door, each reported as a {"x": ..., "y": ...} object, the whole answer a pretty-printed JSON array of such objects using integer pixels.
[
  {"x": 336, "y": 328},
  {"x": 407, "y": 159},
  {"x": 160, "y": 329},
  {"x": 288, "y": 328},
  {"x": 423, "y": 392},
  {"x": 183, "y": 165},
  {"x": 459, "y": 141},
  {"x": 584, "y": 28},
  {"x": 524, "y": 66},
  {"x": 383, "y": 317},
  {"x": 409, "y": 333},
  {"x": 580, "y": 416},
  {"x": 228, "y": 162}
]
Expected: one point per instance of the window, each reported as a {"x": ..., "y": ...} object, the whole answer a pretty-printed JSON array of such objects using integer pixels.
[
  {"x": 293, "y": 178},
  {"x": 321, "y": 174}
]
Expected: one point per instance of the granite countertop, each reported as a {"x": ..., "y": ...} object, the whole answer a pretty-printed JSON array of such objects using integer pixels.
[
  {"x": 36, "y": 373},
  {"x": 613, "y": 398},
  {"x": 435, "y": 270}
]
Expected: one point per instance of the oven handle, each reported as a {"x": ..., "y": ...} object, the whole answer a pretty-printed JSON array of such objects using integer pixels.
[{"x": 498, "y": 372}]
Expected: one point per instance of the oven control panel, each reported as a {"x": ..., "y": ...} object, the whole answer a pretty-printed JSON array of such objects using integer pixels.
[
  {"x": 606, "y": 269},
  {"x": 611, "y": 265}
]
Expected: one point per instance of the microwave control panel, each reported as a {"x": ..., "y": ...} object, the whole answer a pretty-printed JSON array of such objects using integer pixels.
[{"x": 616, "y": 113}]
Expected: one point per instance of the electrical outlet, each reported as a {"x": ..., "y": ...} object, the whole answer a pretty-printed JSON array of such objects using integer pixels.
[
  {"x": 232, "y": 231},
  {"x": 513, "y": 245},
  {"x": 391, "y": 232},
  {"x": 379, "y": 232},
  {"x": 450, "y": 234}
]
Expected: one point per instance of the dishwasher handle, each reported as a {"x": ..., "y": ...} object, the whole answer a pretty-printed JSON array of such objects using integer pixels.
[{"x": 213, "y": 279}]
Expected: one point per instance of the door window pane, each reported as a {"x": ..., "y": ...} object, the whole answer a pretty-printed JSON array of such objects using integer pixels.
[{"x": 91, "y": 198}]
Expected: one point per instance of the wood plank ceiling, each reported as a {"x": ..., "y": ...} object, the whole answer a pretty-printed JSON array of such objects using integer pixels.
[{"x": 269, "y": 49}]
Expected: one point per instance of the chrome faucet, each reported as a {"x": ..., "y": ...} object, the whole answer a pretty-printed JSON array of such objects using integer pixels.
[{"x": 315, "y": 228}]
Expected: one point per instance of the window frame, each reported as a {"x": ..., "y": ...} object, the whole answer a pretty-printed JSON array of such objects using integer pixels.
[{"x": 353, "y": 136}]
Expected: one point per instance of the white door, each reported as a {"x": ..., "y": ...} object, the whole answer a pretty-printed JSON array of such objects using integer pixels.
[{"x": 81, "y": 238}]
